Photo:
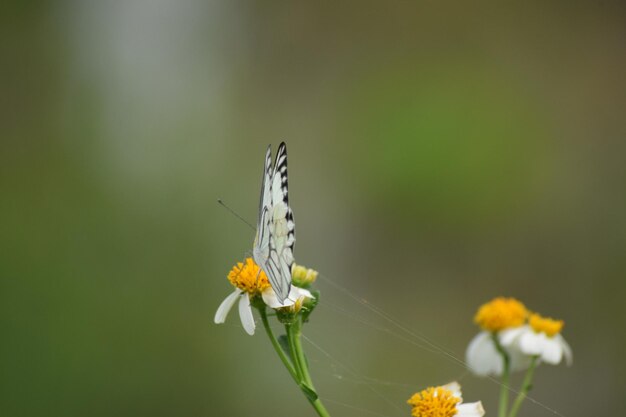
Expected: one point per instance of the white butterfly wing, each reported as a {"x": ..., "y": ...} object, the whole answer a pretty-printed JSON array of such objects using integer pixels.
[
  {"x": 273, "y": 245},
  {"x": 266, "y": 196},
  {"x": 261, "y": 246},
  {"x": 282, "y": 227}
]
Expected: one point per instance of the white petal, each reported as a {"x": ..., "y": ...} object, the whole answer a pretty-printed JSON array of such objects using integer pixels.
[
  {"x": 245, "y": 314},
  {"x": 224, "y": 308},
  {"x": 552, "y": 351},
  {"x": 508, "y": 337},
  {"x": 519, "y": 360},
  {"x": 510, "y": 341},
  {"x": 470, "y": 410},
  {"x": 482, "y": 356},
  {"x": 455, "y": 388},
  {"x": 271, "y": 299},
  {"x": 297, "y": 292},
  {"x": 531, "y": 343},
  {"x": 569, "y": 356}
]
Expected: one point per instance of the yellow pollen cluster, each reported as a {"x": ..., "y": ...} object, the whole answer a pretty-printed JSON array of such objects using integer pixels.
[
  {"x": 546, "y": 325},
  {"x": 434, "y": 402},
  {"x": 500, "y": 313},
  {"x": 248, "y": 277}
]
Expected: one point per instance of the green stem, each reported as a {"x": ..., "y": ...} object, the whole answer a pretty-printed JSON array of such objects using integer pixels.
[
  {"x": 526, "y": 386},
  {"x": 279, "y": 350},
  {"x": 301, "y": 359},
  {"x": 297, "y": 367},
  {"x": 302, "y": 368},
  {"x": 506, "y": 376},
  {"x": 293, "y": 349}
]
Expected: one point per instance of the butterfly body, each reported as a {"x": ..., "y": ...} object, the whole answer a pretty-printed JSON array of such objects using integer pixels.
[{"x": 275, "y": 237}]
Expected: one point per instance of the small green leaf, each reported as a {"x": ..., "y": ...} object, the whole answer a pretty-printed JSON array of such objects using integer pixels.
[
  {"x": 283, "y": 341},
  {"x": 310, "y": 305},
  {"x": 309, "y": 392}
]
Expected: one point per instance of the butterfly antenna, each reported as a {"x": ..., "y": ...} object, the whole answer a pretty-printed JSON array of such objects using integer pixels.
[{"x": 235, "y": 214}]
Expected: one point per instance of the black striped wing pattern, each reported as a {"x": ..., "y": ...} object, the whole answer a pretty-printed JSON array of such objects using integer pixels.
[{"x": 275, "y": 237}]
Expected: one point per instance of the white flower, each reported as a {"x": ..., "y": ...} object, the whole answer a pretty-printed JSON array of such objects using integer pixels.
[
  {"x": 444, "y": 400},
  {"x": 528, "y": 341},
  {"x": 494, "y": 317},
  {"x": 483, "y": 358},
  {"x": 245, "y": 310},
  {"x": 468, "y": 409}
]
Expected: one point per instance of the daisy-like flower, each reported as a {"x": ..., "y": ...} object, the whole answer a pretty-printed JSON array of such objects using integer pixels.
[
  {"x": 443, "y": 401},
  {"x": 541, "y": 337},
  {"x": 496, "y": 317},
  {"x": 251, "y": 282}
]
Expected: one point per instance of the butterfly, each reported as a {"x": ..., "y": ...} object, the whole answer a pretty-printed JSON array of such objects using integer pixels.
[{"x": 275, "y": 231}]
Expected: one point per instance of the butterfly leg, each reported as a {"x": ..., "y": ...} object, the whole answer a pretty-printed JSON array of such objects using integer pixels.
[{"x": 258, "y": 274}]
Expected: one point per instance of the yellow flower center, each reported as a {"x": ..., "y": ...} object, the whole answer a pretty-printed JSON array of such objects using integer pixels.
[
  {"x": 434, "y": 402},
  {"x": 248, "y": 277},
  {"x": 545, "y": 324},
  {"x": 500, "y": 313}
]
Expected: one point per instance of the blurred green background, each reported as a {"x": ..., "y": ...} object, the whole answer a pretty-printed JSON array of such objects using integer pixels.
[{"x": 440, "y": 153}]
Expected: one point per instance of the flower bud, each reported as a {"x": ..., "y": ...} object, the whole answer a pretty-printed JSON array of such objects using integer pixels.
[{"x": 302, "y": 276}]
